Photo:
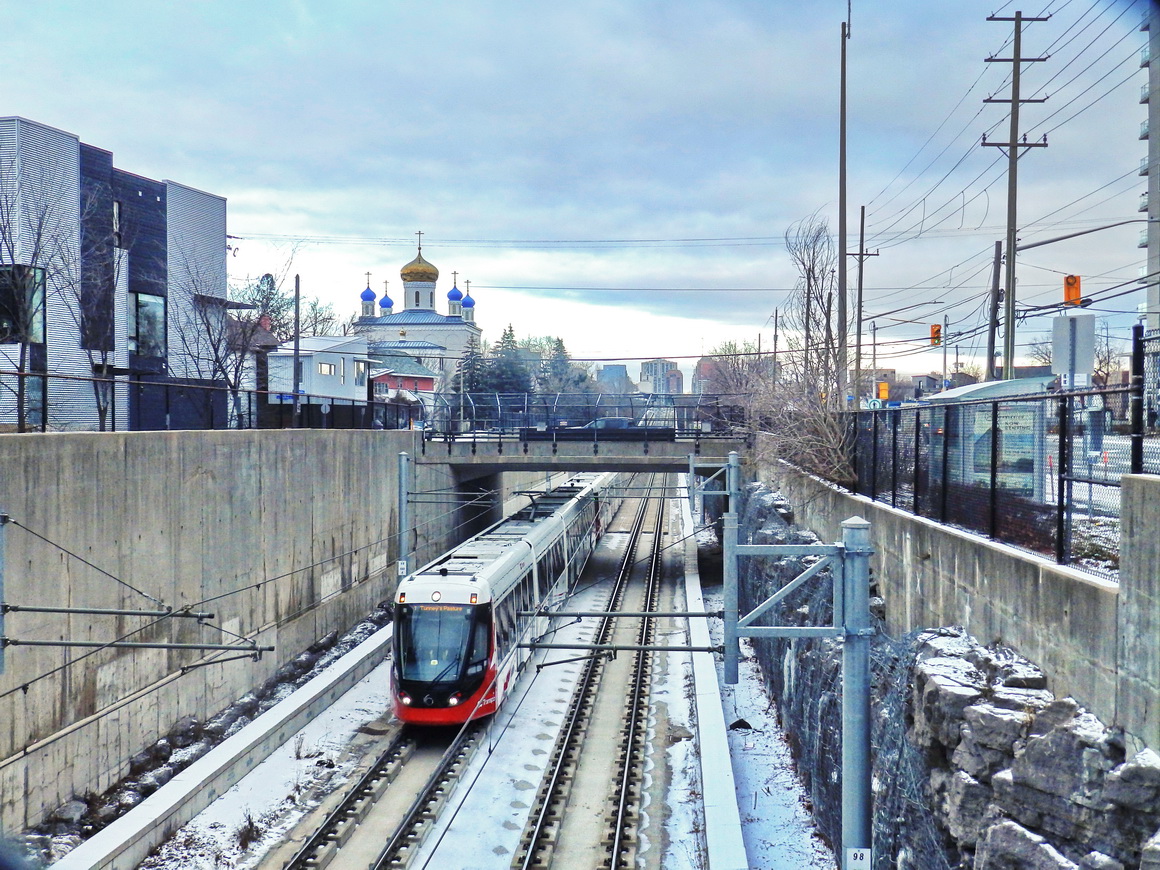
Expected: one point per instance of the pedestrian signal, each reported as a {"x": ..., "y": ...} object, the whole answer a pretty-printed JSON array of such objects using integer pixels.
[
  {"x": 1071, "y": 292},
  {"x": 935, "y": 334}
]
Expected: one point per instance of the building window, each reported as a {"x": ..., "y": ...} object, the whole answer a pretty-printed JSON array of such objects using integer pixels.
[
  {"x": 326, "y": 369},
  {"x": 416, "y": 298},
  {"x": 147, "y": 325},
  {"x": 117, "y": 239},
  {"x": 360, "y": 373},
  {"x": 21, "y": 305},
  {"x": 342, "y": 370}
]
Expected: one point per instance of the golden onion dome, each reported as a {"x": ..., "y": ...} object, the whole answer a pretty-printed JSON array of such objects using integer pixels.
[{"x": 419, "y": 270}]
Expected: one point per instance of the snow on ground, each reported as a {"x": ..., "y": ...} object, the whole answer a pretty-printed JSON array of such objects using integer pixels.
[
  {"x": 778, "y": 829},
  {"x": 280, "y": 790},
  {"x": 685, "y": 825}
]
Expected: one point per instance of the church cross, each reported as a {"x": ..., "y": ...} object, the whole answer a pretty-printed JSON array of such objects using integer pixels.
[
  {"x": 368, "y": 279},
  {"x": 420, "y": 235}
]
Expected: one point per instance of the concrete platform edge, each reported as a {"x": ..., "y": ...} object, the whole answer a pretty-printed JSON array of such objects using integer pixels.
[
  {"x": 723, "y": 836},
  {"x": 128, "y": 841}
]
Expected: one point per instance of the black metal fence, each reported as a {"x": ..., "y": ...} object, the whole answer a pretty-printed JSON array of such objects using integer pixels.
[{"x": 1040, "y": 472}]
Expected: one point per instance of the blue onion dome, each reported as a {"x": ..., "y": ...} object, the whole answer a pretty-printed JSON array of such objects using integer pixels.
[
  {"x": 386, "y": 302},
  {"x": 468, "y": 302},
  {"x": 368, "y": 295},
  {"x": 454, "y": 294}
]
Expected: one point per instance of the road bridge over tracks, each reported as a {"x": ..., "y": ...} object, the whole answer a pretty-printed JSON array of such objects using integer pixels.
[{"x": 470, "y": 453}]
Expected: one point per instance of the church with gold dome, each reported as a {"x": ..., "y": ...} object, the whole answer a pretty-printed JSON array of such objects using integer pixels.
[{"x": 412, "y": 327}]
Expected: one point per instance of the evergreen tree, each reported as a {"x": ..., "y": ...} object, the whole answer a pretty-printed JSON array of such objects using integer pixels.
[
  {"x": 471, "y": 374},
  {"x": 561, "y": 375},
  {"x": 506, "y": 372}
]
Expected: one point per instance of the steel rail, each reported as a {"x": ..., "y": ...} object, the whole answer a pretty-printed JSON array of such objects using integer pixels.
[
  {"x": 624, "y": 834},
  {"x": 354, "y": 806},
  {"x": 536, "y": 842}
]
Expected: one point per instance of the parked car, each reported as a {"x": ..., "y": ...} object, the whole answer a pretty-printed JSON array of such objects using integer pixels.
[{"x": 610, "y": 423}]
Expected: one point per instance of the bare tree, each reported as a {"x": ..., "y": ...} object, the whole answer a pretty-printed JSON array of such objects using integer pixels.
[
  {"x": 808, "y": 316},
  {"x": 37, "y": 257}
]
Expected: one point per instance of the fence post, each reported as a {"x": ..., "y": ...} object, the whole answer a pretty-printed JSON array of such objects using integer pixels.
[
  {"x": 1136, "y": 401},
  {"x": 946, "y": 461},
  {"x": 993, "y": 528},
  {"x": 917, "y": 457},
  {"x": 874, "y": 456},
  {"x": 1062, "y": 473},
  {"x": 894, "y": 415},
  {"x": 857, "y": 828}
]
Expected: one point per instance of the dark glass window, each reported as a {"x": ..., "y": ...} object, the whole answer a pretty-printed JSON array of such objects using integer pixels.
[
  {"x": 432, "y": 640},
  {"x": 147, "y": 325},
  {"x": 21, "y": 304}
]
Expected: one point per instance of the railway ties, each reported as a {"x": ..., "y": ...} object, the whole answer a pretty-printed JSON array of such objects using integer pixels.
[{"x": 580, "y": 809}]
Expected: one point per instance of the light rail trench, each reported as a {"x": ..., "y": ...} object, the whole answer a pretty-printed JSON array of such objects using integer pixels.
[{"x": 589, "y": 801}]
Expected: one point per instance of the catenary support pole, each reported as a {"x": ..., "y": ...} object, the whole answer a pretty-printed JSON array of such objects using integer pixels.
[
  {"x": 857, "y": 829},
  {"x": 729, "y": 573},
  {"x": 404, "y": 515}
]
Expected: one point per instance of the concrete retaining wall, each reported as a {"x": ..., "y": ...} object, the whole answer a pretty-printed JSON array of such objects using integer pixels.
[
  {"x": 1097, "y": 641},
  {"x": 284, "y": 535}
]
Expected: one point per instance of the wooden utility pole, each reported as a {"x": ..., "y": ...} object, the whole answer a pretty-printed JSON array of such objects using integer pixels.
[
  {"x": 1015, "y": 149},
  {"x": 861, "y": 255}
]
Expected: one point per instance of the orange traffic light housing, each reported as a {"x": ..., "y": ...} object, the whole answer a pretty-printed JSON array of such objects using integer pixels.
[
  {"x": 1071, "y": 290},
  {"x": 884, "y": 389},
  {"x": 935, "y": 334}
]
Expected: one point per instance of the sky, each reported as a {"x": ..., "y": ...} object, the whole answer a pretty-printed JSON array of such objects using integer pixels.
[{"x": 620, "y": 174}]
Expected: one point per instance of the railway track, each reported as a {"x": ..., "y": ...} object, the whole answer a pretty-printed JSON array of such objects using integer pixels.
[
  {"x": 575, "y": 787},
  {"x": 384, "y": 818},
  {"x": 402, "y": 792}
]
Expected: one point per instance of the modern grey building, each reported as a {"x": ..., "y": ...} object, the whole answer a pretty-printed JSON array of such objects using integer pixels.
[{"x": 111, "y": 286}]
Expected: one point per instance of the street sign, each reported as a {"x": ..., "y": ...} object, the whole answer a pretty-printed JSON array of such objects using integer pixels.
[{"x": 1073, "y": 344}]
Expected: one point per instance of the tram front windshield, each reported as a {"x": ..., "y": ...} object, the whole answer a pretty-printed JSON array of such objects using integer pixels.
[{"x": 432, "y": 640}]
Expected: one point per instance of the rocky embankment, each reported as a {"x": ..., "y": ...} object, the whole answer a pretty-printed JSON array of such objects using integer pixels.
[{"x": 976, "y": 764}]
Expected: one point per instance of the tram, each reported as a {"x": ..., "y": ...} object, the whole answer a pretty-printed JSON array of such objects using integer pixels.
[{"x": 458, "y": 619}]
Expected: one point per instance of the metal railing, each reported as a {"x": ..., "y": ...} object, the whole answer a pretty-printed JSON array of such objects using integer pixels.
[{"x": 1040, "y": 472}]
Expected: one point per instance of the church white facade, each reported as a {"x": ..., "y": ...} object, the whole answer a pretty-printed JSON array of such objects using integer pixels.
[{"x": 416, "y": 328}]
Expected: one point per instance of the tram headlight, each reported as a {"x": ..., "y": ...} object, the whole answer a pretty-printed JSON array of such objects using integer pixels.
[
  {"x": 453, "y": 700},
  {"x": 404, "y": 699}
]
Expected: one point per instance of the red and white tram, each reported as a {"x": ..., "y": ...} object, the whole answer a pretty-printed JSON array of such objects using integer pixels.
[{"x": 457, "y": 622}]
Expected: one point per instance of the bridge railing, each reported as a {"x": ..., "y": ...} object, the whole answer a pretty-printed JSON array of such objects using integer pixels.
[
  {"x": 520, "y": 415},
  {"x": 1041, "y": 472},
  {"x": 121, "y": 402}
]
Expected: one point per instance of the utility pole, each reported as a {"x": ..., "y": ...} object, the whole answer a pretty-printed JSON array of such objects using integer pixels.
[
  {"x": 874, "y": 347},
  {"x": 843, "y": 327},
  {"x": 945, "y": 334},
  {"x": 775, "y": 361},
  {"x": 1015, "y": 149},
  {"x": 993, "y": 315},
  {"x": 861, "y": 255}
]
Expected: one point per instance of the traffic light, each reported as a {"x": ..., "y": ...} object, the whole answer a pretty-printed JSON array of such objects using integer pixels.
[
  {"x": 935, "y": 334},
  {"x": 884, "y": 389},
  {"x": 1071, "y": 292}
]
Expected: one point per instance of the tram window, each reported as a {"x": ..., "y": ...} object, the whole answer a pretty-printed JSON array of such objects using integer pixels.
[{"x": 481, "y": 640}]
